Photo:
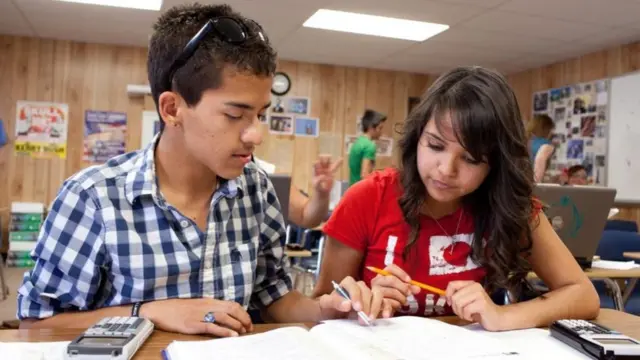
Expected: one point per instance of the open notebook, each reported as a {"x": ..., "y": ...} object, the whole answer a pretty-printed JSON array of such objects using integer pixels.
[{"x": 389, "y": 339}]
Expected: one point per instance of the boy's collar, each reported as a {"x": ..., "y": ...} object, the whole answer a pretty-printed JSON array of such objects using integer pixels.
[{"x": 142, "y": 179}]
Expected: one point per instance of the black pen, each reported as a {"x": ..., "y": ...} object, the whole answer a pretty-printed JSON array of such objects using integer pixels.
[{"x": 344, "y": 294}]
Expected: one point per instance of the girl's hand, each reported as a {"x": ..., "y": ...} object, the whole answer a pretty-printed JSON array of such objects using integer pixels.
[
  {"x": 370, "y": 301},
  {"x": 395, "y": 288},
  {"x": 471, "y": 302}
]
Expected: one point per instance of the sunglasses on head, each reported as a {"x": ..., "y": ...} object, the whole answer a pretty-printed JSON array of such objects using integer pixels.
[{"x": 225, "y": 28}]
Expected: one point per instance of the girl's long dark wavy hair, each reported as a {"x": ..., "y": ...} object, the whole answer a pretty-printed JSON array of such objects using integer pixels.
[{"x": 487, "y": 123}]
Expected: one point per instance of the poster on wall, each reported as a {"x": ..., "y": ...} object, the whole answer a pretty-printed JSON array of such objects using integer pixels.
[
  {"x": 579, "y": 112},
  {"x": 348, "y": 142},
  {"x": 384, "y": 145},
  {"x": 4, "y": 139},
  {"x": 105, "y": 134},
  {"x": 281, "y": 124},
  {"x": 150, "y": 127},
  {"x": 306, "y": 127},
  {"x": 297, "y": 105},
  {"x": 41, "y": 129}
]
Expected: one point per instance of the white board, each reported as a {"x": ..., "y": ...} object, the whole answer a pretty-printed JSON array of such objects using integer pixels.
[{"x": 623, "y": 170}]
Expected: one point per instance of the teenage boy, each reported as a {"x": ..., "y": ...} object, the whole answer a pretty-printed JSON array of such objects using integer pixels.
[
  {"x": 186, "y": 232},
  {"x": 362, "y": 155}
]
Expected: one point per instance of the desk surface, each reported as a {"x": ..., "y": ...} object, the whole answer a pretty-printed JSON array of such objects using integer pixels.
[
  {"x": 298, "y": 253},
  {"x": 623, "y": 322},
  {"x": 594, "y": 273}
]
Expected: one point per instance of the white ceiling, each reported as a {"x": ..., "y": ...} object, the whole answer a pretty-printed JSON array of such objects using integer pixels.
[{"x": 510, "y": 35}]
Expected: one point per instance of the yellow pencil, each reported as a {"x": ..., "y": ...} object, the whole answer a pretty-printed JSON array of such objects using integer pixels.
[{"x": 412, "y": 282}]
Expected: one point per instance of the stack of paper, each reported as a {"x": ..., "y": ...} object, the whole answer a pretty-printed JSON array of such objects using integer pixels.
[
  {"x": 614, "y": 265},
  {"x": 33, "y": 351},
  {"x": 533, "y": 343}
]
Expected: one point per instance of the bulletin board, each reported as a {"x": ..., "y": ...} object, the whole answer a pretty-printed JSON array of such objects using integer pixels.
[
  {"x": 580, "y": 113},
  {"x": 624, "y": 131}
]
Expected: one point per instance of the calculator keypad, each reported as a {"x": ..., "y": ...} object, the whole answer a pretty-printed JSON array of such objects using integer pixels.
[
  {"x": 584, "y": 327},
  {"x": 115, "y": 326}
]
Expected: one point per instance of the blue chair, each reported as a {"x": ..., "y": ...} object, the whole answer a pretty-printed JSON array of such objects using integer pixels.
[
  {"x": 622, "y": 225},
  {"x": 612, "y": 244}
]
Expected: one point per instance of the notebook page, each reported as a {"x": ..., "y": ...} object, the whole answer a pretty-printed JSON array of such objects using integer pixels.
[
  {"x": 33, "y": 351},
  {"x": 534, "y": 343},
  {"x": 415, "y": 338},
  {"x": 290, "y": 343}
]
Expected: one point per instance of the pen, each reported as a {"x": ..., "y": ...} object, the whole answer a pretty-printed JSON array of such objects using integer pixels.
[
  {"x": 344, "y": 294},
  {"x": 412, "y": 282}
]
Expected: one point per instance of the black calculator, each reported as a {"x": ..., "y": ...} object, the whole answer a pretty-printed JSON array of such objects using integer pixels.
[{"x": 595, "y": 340}]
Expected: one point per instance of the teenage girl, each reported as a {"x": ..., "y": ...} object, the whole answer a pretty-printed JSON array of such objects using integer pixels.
[{"x": 459, "y": 215}]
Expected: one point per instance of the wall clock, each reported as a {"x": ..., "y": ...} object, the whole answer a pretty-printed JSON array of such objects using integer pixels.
[{"x": 281, "y": 84}]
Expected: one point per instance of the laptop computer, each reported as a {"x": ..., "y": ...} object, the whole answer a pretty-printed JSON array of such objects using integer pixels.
[
  {"x": 282, "y": 185},
  {"x": 578, "y": 214}
]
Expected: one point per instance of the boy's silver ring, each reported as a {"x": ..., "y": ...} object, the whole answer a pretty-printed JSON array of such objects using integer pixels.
[{"x": 209, "y": 318}]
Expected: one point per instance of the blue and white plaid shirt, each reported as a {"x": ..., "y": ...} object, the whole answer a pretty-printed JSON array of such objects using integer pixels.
[{"x": 111, "y": 239}]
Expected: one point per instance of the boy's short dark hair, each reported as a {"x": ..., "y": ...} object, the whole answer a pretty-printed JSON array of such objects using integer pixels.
[
  {"x": 574, "y": 169},
  {"x": 371, "y": 119},
  {"x": 203, "y": 71}
]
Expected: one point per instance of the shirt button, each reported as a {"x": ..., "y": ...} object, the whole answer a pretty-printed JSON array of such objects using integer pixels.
[{"x": 184, "y": 223}]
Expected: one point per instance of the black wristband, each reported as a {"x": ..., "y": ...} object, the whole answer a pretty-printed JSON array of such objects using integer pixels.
[{"x": 135, "y": 310}]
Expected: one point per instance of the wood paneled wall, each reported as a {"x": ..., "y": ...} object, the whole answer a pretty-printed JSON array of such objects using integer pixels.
[
  {"x": 95, "y": 76},
  {"x": 598, "y": 65}
]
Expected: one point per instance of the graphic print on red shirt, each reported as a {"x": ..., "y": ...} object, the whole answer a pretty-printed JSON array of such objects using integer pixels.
[{"x": 368, "y": 218}]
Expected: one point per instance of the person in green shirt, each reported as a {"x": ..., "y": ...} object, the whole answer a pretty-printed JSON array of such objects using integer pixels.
[{"x": 362, "y": 155}]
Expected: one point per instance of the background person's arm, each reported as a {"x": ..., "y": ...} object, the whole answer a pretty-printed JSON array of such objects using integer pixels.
[
  {"x": 368, "y": 159},
  {"x": 367, "y": 167},
  {"x": 541, "y": 161},
  {"x": 309, "y": 212}
]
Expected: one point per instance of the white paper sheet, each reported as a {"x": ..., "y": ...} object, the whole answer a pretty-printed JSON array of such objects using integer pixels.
[
  {"x": 290, "y": 343},
  {"x": 533, "y": 343},
  {"x": 33, "y": 350},
  {"x": 416, "y": 338},
  {"x": 614, "y": 265}
]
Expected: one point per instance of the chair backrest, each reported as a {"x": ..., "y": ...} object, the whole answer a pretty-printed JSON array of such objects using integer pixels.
[
  {"x": 615, "y": 242},
  {"x": 622, "y": 225}
]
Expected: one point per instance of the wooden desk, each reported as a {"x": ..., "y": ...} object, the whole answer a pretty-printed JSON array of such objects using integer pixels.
[
  {"x": 609, "y": 277},
  {"x": 625, "y": 323},
  {"x": 298, "y": 253},
  {"x": 632, "y": 255}
]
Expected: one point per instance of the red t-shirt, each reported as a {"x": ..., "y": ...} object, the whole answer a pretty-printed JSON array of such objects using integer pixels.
[{"x": 369, "y": 219}]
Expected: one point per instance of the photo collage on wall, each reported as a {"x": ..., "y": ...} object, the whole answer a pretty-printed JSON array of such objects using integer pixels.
[
  {"x": 289, "y": 115},
  {"x": 580, "y": 136}
]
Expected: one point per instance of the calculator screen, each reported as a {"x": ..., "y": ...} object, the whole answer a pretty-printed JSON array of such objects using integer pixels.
[
  {"x": 615, "y": 341},
  {"x": 102, "y": 341}
]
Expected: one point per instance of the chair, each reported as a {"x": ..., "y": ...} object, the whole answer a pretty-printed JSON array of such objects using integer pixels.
[
  {"x": 622, "y": 225},
  {"x": 611, "y": 247},
  {"x": 307, "y": 269}
]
